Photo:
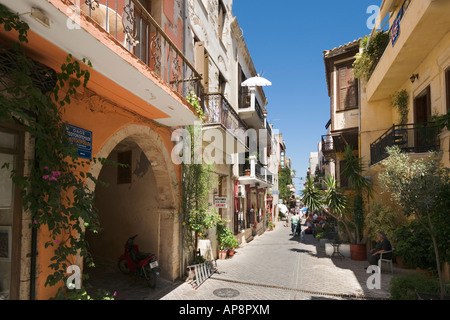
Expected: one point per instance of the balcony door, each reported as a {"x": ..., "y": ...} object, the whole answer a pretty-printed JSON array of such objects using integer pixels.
[{"x": 423, "y": 135}]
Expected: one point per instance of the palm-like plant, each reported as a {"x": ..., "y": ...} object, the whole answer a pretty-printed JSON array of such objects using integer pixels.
[
  {"x": 311, "y": 196},
  {"x": 336, "y": 203},
  {"x": 353, "y": 172}
]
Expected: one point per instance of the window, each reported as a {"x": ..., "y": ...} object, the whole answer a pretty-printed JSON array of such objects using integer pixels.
[
  {"x": 202, "y": 63},
  {"x": 221, "y": 18},
  {"x": 447, "y": 88},
  {"x": 222, "y": 84},
  {"x": 124, "y": 169},
  {"x": 347, "y": 86},
  {"x": 244, "y": 97},
  {"x": 342, "y": 180}
]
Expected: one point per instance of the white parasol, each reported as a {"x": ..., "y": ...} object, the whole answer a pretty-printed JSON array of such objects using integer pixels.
[{"x": 256, "y": 82}]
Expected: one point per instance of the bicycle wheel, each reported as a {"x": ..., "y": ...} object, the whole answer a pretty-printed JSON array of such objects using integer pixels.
[{"x": 123, "y": 266}]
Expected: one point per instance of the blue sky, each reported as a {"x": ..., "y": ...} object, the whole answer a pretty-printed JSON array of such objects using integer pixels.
[{"x": 286, "y": 40}]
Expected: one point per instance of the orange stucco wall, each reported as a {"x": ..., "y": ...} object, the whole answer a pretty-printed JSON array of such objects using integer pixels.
[{"x": 103, "y": 108}]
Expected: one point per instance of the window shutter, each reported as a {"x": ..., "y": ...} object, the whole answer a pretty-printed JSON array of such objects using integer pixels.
[{"x": 348, "y": 88}]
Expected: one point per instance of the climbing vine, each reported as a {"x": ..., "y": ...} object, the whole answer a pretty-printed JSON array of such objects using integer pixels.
[
  {"x": 55, "y": 191},
  {"x": 198, "y": 181},
  {"x": 400, "y": 102},
  {"x": 370, "y": 54}
]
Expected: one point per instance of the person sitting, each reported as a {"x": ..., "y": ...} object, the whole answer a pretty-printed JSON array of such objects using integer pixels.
[{"x": 383, "y": 245}]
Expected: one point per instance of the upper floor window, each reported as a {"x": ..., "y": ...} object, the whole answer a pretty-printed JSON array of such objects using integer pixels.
[
  {"x": 347, "y": 88},
  {"x": 244, "y": 97},
  {"x": 221, "y": 18},
  {"x": 447, "y": 88}
]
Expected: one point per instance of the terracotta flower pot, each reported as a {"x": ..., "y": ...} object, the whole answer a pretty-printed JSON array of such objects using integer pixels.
[
  {"x": 222, "y": 254},
  {"x": 358, "y": 252},
  {"x": 231, "y": 253}
]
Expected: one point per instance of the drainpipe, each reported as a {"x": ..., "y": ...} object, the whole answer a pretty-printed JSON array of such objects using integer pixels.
[
  {"x": 33, "y": 264},
  {"x": 181, "y": 214},
  {"x": 33, "y": 243}
]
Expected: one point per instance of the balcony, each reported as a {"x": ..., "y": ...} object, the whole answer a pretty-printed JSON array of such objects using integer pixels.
[
  {"x": 336, "y": 142},
  {"x": 422, "y": 26},
  {"x": 328, "y": 149},
  {"x": 250, "y": 110},
  {"x": 219, "y": 114},
  {"x": 410, "y": 138},
  {"x": 138, "y": 31},
  {"x": 252, "y": 172},
  {"x": 135, "y": 63}
]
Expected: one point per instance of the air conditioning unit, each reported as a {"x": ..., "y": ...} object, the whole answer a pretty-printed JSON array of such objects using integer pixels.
[{"x": 241, "y": 191}]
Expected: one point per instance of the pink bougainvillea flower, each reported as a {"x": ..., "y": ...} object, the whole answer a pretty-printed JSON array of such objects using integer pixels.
[
  {"x": 45, "y": 176},
  {"x": 56, "y": 173},
  {"x": 35, "y": 222},
  {"x": 53, "y": 178},
  {"x": 46, "y": 168}
]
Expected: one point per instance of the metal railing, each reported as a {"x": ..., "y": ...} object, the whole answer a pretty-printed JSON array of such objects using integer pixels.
[
  {"x": 261, "y": 172},
  {"x": 218, "y": 110},
  {"x": 327, "y": 143},
  {"x": 410, "y": 138},
  {"x": 136, "y": 29}
]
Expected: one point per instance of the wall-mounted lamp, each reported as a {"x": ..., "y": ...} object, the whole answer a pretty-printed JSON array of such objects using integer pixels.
[
  {"x": 414, "y": 77},
  {"x": 40, "y": 16}
]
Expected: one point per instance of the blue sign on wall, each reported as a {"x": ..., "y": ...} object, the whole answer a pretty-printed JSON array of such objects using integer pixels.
[
  {"x": 82, "y": 139},
  {"x": 396, "y": 27}
]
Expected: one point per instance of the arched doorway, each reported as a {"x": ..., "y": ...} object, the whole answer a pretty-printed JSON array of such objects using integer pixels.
[{"x": 140, "y": 199}]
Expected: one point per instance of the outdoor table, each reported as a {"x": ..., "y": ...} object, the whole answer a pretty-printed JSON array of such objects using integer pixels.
[{"x": 336, "y": 252}]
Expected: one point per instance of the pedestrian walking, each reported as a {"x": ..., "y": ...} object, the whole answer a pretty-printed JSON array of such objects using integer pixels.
[{"x": 294, "y": 223}]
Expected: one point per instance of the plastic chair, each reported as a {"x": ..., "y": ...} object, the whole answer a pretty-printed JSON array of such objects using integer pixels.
[{"x": 381, "y": 260}]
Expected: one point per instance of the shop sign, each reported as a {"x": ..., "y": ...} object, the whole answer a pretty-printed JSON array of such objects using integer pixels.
[
  {"x": 220, "y": 202},
  {"x": 82, "y": 139}
]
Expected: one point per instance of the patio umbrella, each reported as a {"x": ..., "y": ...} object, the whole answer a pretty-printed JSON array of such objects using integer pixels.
[
  {"x": 256, "y": 82},
  {"x": 283, "y": 208}
]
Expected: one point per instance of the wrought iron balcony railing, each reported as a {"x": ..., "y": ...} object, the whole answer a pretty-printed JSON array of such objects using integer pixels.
[
  {"x": 136, "y": 29},
  {"x": 410, "y": 138},
  {"x": 218, "y": 110}
]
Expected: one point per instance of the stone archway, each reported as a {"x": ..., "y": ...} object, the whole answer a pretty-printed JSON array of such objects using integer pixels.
[{"x": 167, "y": 195}]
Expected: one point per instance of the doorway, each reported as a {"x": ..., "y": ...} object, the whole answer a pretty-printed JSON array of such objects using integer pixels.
[
  {"x": 424, "y": 134},
  {"x": 11, "y": 158}
]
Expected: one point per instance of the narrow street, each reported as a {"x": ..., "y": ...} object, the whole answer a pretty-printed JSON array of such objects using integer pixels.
[{"x": 274, "y": 266}]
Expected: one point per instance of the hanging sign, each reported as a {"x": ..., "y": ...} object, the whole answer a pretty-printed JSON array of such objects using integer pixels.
[{"x": 82, "y": 139}]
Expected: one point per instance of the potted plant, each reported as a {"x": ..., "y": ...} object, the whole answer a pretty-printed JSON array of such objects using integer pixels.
[
  {"x": 360, "y": 185},
  {"x": 224, "y": 240},
  {"x": 270, "y": 225},
  {"x": 232, "y": 243},
  {"x": 335, "y": 204}
]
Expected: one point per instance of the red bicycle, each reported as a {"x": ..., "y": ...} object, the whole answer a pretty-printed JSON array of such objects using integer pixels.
[{"x": 142, "y": 265}]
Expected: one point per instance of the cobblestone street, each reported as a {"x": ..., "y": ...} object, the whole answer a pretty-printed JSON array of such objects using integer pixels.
[{"x": 274, "y": 266}]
